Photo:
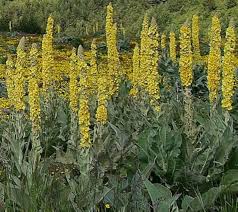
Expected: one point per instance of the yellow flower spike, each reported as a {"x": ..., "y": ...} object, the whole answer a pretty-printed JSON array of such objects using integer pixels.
[
  {"x": 73, "y": 82},
  {"x": 93, "y": 72},
  {"x": 102, "y": 91},
  {"x": 47, "y": 56},
  {"x": 152, "y": 86},
  {"x": 113, "y": 55},
  {"x": 163, "y": 41},
  {"x": 19, "y": 77},
  {"x": 84, "y": 113},
  {"x": 214, "y": 60},
  {"x": 10, "y": 76},
  {"x": 33, "y": 89},
  {"x": 144, "y": 52},
  {"x": 228, "y": 74},
  {"x": 172, "y": 46},
  {"x": 136, "y": 71},
  {"x": 195, "y": 38},
  {"x": 185, "y": 62}
]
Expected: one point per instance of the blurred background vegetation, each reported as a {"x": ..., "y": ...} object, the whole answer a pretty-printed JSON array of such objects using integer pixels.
[{"x": 80, "y": 17}]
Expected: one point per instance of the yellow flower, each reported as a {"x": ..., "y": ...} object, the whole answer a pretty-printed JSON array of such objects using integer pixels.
[
  {"x": 47, "y": 56},
  {"x": 107, "y": 206},
  {"x": 112, "y": 52},
  {"x": 185, "y": 62},
  {"x": 144, "y": 52},
  {"x": 195, "y": 38},
  {"x": 93, "y": 71},
  {"x": 19, "y": 77},
  {"x": 214, "y": 59},
  {"x": 152, "y": 86},
  {"x": 33, "y": 88},
  {"x": 228, "y": 75},
  {"x": 101, "y": 114},
  {"x": 172, "y": 46}
]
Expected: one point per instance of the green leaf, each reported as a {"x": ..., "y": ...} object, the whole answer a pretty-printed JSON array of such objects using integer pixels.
[
  {"x": 206, "y": 200},
  {"x": 186, "y": 202}
]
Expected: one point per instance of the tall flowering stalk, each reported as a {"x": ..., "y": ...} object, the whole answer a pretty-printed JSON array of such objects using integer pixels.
[
  {"x": 47, "y": 55},
  {"x": 112, "y": 52},
  {"x": 152, "y": 86},
  {"x": 195, "y": 38},
  {"x": 93, "y": 71},
  {"x": 73, "y": 99},
  {"x": 144, "y": 52},
  {"x": 136, "y": 71},
  {"x": 185, "y": 62},
  {"x": 19, "y": 77},
  {"x": 172, "y": 46},
  {"x": 84, "y": 112},
  {"x": 34, "y": 95},
  {"x": 102, "y": 95},
  {"x": 214, "y": 60},
  {"x": 228, "y": 75},
  {"x": 34, "y": 102},
  {"x": 10, "y": 76},
  {"x": 186, "y": 76},
  {"x": 163, "y": 41}
]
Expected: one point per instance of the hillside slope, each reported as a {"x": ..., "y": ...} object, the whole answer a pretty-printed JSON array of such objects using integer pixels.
[{"x": 80, "y": 17}]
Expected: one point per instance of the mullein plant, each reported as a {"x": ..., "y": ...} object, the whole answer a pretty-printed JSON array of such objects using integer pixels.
[
  {"x": 112, "y": 52},
  {"x": 186, "y": 77},
  {"x": 102, "y": 97},
  {"x": 144, "y": 52},
  {"x": 20, "y": 76},
  {"x": 84, "y": 112},
  {"x": 214, "y": 61},
  {"x": 34, "y": 103},
  {"x": 152, "y": 86},
  {"x": 47, "y": 56},
  {"x": 101, "y": 88},
  {"x": 73, "y": 100},
  {"x": 195, "y": 38},
  {"x": 172, "y": 46},
  {"x": 93, "y": 71},
  {"x": 228, "y": 74}
]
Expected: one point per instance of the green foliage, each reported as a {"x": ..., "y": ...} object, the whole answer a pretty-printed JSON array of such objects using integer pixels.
[{"x": 74, "y": 16}]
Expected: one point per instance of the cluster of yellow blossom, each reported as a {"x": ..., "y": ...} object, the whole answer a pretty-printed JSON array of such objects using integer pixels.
[
  {"x": 228, "y": 74},
  {"x": 185, "y": 61},
  {"x": 19, "y": 78},
  {"x": 47, "y": 55},
  {"x": 172, "y": 46},
  {"x": 113, "y": 55},
  {"x": 214, "y": 59},
  {"x": 195, "y": 38},
  {"x": 152, "y": 86},
  {"x": 144, "y": 54},
  {"x": 34, "y": 93}
]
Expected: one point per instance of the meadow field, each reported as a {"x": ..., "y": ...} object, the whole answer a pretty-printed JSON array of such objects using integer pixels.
[{"x": 106, "y": 123}]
